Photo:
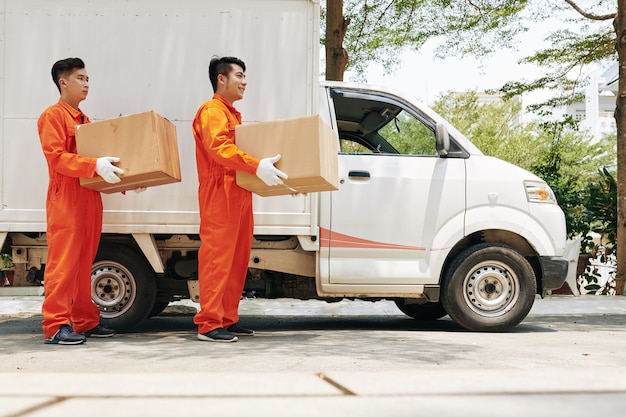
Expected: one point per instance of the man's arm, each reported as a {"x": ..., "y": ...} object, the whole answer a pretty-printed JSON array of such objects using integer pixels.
[
  {"x": 53, "y": 135},
  {"x": 219, "y": 142}
]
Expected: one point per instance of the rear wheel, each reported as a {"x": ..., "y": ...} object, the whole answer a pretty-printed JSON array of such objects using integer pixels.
[
  {"x": 123, "y": 286},
  {"x": 489, "y": 287},
  {"x": 158, "y": 308},
  {"x": 422, "y": 311}
]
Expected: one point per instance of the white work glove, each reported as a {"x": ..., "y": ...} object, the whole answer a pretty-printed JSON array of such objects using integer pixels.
[
  {"x": 268, "y": 173},
  {"x": 107, "y": 170}
]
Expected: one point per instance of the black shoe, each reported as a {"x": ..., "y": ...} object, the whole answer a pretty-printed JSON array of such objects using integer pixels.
[
  {"x": 240, "y": 331},
  {"x": 217, "y": 335},
  {"x": 65, "y": 336},
  {"x": 100, "y": 331}
]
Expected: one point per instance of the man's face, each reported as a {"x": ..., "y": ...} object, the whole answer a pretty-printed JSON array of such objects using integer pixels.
[
  {"x": 75, "y": 87},
  {"x": 233, "y": 86}
]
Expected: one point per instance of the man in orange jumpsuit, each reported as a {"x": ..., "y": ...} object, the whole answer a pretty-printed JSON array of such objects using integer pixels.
[
  {"x": 73, "y": 214},
  {"x": 226, "y": 222}
]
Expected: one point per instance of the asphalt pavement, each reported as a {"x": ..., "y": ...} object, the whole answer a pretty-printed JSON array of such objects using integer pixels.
[{"x": 311, "y": 358}]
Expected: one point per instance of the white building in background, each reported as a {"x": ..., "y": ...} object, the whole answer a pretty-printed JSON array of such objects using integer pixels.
[{"x": 596, "y": 112}]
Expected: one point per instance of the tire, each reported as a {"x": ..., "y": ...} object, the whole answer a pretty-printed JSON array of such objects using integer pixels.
[
  {"x": 123, "y": 286},
  {"x": 158, "y": 308},
  {"x": 426, "y": 311},
  {"x": 488, "y": 288}
]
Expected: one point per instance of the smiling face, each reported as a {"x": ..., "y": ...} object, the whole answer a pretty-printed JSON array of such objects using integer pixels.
[
  {"x": 74, "y": 86},
  {"x": 233, "y": 85}
]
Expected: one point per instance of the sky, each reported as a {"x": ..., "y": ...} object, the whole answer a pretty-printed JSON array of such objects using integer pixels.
[{"x": 427, "y": 77}]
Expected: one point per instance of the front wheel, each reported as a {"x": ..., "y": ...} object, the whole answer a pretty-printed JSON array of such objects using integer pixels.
[
  {"x": 488, "y": 287},
  {"x": 123, "y": 286}
]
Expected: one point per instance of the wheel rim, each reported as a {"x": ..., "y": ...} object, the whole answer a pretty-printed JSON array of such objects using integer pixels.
[
  {"x": 112, "y": 288},
  {"x": 491, "y": 289}
]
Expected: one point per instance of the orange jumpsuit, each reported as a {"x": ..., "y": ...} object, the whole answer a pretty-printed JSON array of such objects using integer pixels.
[
  {"x": 74, "y": 224},
  {"x": 226, "y": 222}
]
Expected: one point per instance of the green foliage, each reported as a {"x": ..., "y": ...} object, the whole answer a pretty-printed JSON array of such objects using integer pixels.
[
  {"x": 601, "y": 207},
  {"x": 493, "y": 127},
  {"x": 380, "y": 30},
  {"x": 475, "y": 27},
  {"x": 598, "y": 277},
  {"x": 5, "y": 260},
  {"x": 569, "y": 164},
  {"x": 590, "y": 279},
  {"x": 409, "y": 136},
  {"x": 566, "y": 60},
  {"x": 564, "y": 71}
]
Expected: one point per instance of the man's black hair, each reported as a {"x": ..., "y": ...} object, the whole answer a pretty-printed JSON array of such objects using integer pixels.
[
  {"x": 222, "y": 66},
  {"x": 64, "y": 67}
]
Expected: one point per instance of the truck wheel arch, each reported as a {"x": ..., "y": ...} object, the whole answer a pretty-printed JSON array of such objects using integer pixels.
[{"x": 496, "y": 236}]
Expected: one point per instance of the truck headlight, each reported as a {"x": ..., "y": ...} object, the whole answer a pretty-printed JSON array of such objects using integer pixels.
[{"x": 539, "y": 192}]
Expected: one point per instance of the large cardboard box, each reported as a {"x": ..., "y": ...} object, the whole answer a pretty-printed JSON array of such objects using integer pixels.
[
  {"x": 308, "y": 147},
  {"x": 145, "y": 143}
]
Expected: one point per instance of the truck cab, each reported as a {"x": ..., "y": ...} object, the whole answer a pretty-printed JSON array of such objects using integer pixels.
[{"x": 422, "y": 216}]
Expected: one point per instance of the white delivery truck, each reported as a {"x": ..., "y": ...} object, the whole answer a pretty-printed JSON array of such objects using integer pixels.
[{"x": 421, "y": 216}]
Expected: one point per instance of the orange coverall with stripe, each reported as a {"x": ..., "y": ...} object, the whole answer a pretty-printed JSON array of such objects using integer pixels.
[
  {"x": 74, "y": 224},
  {"x": 226, "y": 222}
]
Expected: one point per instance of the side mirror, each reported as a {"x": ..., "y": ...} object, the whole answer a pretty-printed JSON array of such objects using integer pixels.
[{"x": 442, "y": 139}]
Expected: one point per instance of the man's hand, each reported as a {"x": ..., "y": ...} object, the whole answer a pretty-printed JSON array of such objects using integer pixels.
[
  {"x": 268, "y": 173},
  {"x": 107, "y": 170}
]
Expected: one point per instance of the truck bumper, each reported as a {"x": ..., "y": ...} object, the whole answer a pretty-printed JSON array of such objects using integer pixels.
[{"x": 554, "y": 271}]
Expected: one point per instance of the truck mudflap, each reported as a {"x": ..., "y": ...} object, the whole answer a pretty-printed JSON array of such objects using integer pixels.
[{"x": 554, "y": 270}]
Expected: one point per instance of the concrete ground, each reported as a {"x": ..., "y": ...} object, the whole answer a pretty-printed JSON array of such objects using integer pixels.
[{"x": 317, "y": 359}]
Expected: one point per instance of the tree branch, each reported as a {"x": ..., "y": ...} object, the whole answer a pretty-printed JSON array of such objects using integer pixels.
[
  {"x": 478, "y": 9},
  {"x": 589, "y": 15}
]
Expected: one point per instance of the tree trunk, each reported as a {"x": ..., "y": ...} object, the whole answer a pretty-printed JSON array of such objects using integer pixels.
[
  {"x": 620, "y": 119},
  {"x": 336, "y": 26}
]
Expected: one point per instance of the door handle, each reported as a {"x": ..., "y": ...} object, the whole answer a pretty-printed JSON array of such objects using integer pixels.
[{"x": 359, "y": 174}]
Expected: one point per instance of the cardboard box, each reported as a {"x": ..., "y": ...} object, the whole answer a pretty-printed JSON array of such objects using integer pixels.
[
  {"x": 308, "y": 147},
  {"x": 145, "y": 143}
]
